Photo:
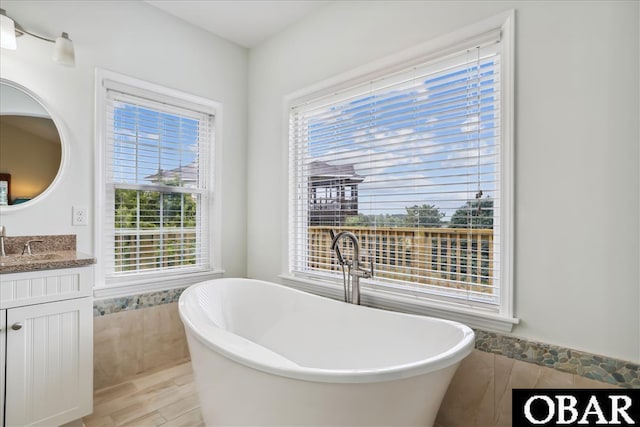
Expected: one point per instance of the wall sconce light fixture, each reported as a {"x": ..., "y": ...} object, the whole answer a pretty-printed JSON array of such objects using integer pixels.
[{"x": 63, "y": 52}]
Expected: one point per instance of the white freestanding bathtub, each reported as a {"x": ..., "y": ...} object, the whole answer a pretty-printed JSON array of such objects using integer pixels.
[{"x": 266, "y": 354}]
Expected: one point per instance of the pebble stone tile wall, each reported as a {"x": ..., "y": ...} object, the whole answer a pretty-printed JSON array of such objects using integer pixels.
[
  {"x": 135, "y": 302},
  {"x": 601, "y": 368}
]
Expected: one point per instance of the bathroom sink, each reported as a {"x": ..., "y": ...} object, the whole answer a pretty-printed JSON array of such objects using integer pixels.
[{"x": 28, "y": 258}]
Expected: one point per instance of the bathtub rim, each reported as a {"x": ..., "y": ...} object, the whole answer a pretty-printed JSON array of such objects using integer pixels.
[{"x": 290, "y": 369}]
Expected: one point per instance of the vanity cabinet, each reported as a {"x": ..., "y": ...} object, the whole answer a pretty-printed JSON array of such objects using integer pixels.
[{"x": 46, "y": 346}]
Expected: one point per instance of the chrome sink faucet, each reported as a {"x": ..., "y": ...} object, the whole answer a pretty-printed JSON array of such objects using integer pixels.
[
  {"x": 27, "y": 246},
  {"x": 3, "y": 234},
  {"x": 355, "y": 272}
]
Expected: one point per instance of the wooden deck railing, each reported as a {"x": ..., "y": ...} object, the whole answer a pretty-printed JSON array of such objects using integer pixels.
[
  {"x": 154, "y": 249},
  {"x": 451, "y": 257}
]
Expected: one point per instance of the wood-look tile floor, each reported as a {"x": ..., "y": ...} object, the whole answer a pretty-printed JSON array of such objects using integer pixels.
[{"x": 164, "y": 398}]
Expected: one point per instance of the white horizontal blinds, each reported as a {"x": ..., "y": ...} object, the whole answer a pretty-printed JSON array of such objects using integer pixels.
[
  {"x": 411, "y": 164},
  {"x": 156, "y": 185}
]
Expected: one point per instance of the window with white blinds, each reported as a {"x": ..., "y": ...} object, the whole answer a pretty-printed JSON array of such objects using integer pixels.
[
  {"x": 156, "y": 184},
  {"x": 411, "y": 163}
]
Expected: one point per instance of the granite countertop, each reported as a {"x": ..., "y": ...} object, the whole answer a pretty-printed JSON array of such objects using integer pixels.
[
  {"x": 48, "y": 253},
  {"x": 16, "y": 263}
]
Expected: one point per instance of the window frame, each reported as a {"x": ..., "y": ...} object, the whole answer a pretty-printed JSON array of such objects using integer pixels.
[
  {"x": 500, "y": 319},
  {"x": 135, "y": 283}
]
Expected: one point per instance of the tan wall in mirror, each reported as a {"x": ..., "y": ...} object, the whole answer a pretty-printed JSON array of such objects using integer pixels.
[{"x": 32, "y": 160}]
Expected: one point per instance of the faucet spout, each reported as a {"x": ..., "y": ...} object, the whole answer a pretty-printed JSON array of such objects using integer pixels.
[
  {"x": 355, "y": 272},
  {"x": 27, "y": 246},
  {"x": 354, "y": 240}
]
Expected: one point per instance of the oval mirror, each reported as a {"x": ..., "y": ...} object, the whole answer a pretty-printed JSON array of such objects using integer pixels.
[{"x": 31, "y": 149}]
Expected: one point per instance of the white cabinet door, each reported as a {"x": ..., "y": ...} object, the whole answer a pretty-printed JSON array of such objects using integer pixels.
[
  {"x": 3, "y": 334},
  {"x": 49, "y": 363}
]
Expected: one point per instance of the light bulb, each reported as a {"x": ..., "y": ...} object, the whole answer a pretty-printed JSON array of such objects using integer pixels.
[
  {"x": 63, "y": 52},
  {"x": 7, "y": 32}
]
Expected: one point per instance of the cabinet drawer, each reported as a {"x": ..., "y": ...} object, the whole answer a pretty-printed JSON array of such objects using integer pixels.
[{"x": 35, "y": 287}]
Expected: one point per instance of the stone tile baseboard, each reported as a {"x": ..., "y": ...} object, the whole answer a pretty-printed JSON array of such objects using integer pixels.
[
  {"x": 600, "y": 368},
  {"x": 134, "y": 302}
]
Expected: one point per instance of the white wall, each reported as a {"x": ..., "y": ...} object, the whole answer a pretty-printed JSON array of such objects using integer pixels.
[
  {"x": 577, "y": 150},
  {"x": 132, "y": 38}
]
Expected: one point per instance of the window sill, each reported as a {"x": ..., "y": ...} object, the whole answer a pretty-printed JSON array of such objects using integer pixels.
[
  {"x": 473, "y": 318},
  {"x": 157, "y": 282}
]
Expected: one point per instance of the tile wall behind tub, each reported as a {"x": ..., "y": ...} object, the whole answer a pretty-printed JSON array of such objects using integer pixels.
[
  {"x": 133, "y": 341},
  {"x": 480, "y": 392}
]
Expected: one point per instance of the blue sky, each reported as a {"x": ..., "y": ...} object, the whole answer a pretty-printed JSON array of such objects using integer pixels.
[
  {"x": 146, "y": 140},
  {"x": 428, "y": 143}
]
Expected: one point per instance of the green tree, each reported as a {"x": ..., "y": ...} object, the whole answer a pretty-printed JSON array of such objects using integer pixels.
[
  {"x": 137, "y": 209},
  {"x": 423, "y": 216},
  {"x": 474, "y": 214},
  {"x": 141, "y": 209}
]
